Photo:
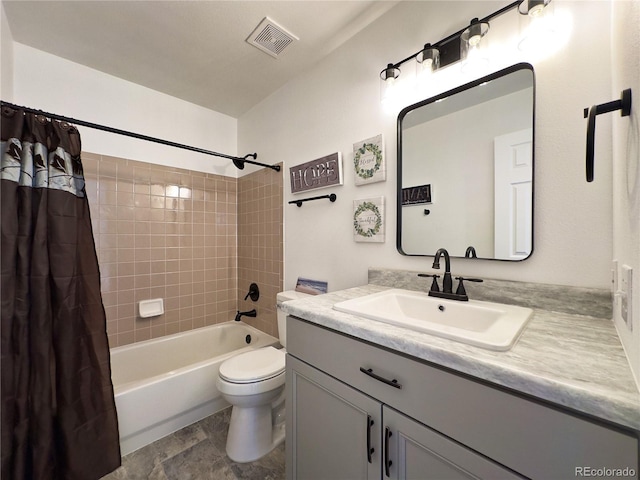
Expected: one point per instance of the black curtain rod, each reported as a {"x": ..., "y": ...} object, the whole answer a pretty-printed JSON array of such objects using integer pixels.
[{"x": 237, "y": 161}]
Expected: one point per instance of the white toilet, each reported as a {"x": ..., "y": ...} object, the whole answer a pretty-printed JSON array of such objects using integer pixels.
[{"x": 253, "y": 382}]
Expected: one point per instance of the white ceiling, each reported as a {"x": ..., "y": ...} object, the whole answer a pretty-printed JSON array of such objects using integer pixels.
[{"x": 193, "y": 50}]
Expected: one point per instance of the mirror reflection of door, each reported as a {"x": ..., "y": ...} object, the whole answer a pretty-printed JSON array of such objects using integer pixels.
[{"x": 513, "y": 186}]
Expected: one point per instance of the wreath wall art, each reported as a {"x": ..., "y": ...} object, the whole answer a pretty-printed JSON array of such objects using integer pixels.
[
  {"x": 368, "y": 220},
  {"x": 368, "y": 161}
]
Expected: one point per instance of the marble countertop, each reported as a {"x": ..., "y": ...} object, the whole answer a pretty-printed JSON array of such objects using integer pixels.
[{"x": 575, "y": 361}]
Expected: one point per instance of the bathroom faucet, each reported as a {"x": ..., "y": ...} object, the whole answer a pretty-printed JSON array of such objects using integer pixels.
[{"x": 447, "y": 282}]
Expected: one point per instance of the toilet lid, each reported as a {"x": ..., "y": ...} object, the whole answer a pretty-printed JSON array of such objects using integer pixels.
[{"x": 253, "y": 366}]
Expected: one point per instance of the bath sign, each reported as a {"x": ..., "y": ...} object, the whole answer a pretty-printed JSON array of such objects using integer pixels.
[
  {"x": 416, "y": 195},
  {"x": 368, "y": 220},
  {"x": 320, "y": 173},
  {"x": 368, "y": 161}
]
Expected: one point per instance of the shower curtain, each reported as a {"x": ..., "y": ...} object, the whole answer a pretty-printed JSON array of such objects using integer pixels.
[{"x": 58, "y": 412}]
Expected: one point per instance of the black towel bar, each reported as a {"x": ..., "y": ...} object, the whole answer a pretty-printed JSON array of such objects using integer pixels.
[
  {"x": 624, "y": 104},
  {"x": 331, "y": 198}
]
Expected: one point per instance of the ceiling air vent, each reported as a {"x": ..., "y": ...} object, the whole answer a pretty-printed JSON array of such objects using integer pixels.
[{"x": 271, "y": 38}]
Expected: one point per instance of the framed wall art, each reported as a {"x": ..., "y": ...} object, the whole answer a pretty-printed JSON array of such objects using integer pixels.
[
  {"x": 320, "y": 173},
  {"x": 368, "y": 161},
  {"x": 368, "y": 220}
]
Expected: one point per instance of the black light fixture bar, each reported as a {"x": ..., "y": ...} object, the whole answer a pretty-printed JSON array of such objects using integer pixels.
[
  {"x": 448, "y": 54},
  {"x": 237, "y": 161}
]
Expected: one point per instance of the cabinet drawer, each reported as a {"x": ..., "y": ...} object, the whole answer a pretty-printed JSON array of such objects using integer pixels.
[{"x": 533, "y": 439}]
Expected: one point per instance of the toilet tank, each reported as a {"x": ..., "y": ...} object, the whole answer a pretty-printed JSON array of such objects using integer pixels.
[{"x": 282, "y": 317}]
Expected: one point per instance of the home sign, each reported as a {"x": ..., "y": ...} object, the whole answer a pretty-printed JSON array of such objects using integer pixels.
[{"x": 320, "y": 173}]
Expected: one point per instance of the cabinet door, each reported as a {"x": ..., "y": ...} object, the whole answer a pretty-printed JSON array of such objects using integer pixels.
[
  {"x": 413, "y": 451},
  {"x": 333, "y": 431}
]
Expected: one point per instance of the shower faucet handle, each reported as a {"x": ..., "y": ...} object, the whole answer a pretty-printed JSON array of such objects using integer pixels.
[{"x": 254, "y": 292}]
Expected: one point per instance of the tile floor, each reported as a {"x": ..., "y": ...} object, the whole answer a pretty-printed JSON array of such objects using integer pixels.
[{"x": 197, "y": 452}]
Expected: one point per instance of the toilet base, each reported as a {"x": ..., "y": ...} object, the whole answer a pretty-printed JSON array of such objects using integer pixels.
[{"x": 252, "y": 434}]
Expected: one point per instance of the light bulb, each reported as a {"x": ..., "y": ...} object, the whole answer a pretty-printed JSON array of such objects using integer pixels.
[
  {"x": 475, "y": 40},
  {"x": 536, "y": 10}
]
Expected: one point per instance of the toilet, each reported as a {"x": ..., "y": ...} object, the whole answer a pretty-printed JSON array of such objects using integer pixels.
[{"x": 253, "y": 382}]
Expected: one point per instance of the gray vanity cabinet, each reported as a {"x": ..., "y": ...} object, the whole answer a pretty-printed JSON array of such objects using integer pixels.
[
  {"x": 336, "y": 432},
  {"x": 331, "y": 428},
  {"x": 428, "y": 422},
  {"x": 418, "y": 453}
]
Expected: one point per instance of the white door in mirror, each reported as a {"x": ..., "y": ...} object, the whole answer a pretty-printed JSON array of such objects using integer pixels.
[{"x": 513, "y": 190}]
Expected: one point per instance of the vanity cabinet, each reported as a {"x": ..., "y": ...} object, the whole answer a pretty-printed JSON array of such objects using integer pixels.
[
  {"x": 338, "y": 432},
  {"x": 333, "y": 427},
  {"x": 359, "y": 411}
]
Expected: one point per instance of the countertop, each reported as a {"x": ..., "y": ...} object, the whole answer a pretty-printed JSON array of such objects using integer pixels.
[{"x": 575, "y": 361}]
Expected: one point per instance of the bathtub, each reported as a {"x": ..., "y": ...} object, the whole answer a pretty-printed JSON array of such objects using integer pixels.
[{"x": 165, "y": 384}]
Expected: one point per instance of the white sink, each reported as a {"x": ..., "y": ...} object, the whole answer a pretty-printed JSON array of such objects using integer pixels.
[{"x": 489, "y": 325}]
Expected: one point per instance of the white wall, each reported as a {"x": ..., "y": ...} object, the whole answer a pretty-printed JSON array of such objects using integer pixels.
[
  {"x": 56, "y": 85},
  {"x": 6, "y": 58},
  {"x": 336, "y": 104},
  {"x": 625, "y": 66}
]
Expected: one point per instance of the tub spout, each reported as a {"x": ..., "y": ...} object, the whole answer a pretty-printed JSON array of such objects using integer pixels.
[{"x": 250, "y": 313}]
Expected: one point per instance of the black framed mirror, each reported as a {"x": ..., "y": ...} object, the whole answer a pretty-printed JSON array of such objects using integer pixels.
[{"x": 466, "y": 169}]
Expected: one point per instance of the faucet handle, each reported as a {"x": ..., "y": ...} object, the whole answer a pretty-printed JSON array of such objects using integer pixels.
[
  {"x": 460, "y": 290},
  {"x": 254, "y": 292},
  {"x": 434, "y": 284}
]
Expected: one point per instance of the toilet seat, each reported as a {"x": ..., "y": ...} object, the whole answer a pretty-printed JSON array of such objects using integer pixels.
[{"x": 254, "y": 366}]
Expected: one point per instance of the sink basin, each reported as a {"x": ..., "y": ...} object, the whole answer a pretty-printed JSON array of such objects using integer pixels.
[{"x": 489, "y": 325}]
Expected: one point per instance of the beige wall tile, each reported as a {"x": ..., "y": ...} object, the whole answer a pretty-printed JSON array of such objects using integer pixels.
[
  {"x": 259, "y": 246},
  {"x": 197, "y": 240}
]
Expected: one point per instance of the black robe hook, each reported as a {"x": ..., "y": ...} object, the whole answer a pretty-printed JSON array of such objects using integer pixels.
[{"x": 624, "y": 104}]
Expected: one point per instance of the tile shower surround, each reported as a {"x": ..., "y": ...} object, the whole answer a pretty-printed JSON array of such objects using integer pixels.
[
  {"x": 164, "y": 232},
  {"x": 260, "y": 245}
]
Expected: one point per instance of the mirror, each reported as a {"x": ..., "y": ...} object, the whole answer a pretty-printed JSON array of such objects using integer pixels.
[{"x": 465, "y": 169}]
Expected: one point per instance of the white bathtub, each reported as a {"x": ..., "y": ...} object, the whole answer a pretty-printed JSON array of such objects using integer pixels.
[{"x": 165, "y": 384}]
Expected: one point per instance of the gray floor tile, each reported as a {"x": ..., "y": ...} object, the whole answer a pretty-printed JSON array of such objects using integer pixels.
[
  {"x": 197, "y": 452},
  {"x": 195, "y": 463},
  {"x": 269, "y": 467}
]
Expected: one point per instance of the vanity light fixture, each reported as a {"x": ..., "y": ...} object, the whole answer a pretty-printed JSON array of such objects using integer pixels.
[
  {"x": 533, "y": 8},
  {"x": 474, "y": 32},
  {"x": 388, "y": 78},
  {"x": 461, "y": 45},
  {"x": 427, "y": 60},
  {"x": 540, "y": 30},
  {"x": 473, "y": 59}
]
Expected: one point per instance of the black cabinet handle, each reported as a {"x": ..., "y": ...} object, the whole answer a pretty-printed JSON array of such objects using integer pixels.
[
  {"x": 370, "y": 449},
  {"x": 394, "y": 383},
  {"x": 387, "y": 460}
]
